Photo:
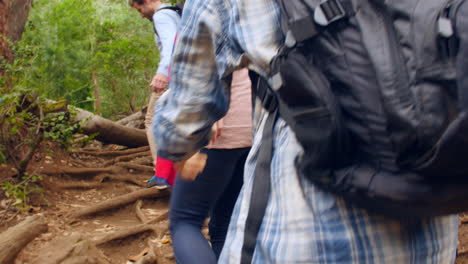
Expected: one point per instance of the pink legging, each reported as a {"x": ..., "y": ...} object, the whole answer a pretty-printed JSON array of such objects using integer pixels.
[{"x": 165, "y": 169}]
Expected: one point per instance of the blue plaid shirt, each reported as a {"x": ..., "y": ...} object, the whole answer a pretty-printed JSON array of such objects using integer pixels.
[{"x": 303, "y": 224}]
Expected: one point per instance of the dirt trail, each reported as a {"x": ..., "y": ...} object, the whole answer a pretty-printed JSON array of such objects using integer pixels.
[
  {"x": 97, "y": 196},
  {"x": 98, "y": 210}
]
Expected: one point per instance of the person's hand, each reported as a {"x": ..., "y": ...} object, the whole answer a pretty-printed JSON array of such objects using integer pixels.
[
  {"x": 216, "y": 130},
  {"x": 188, "y": 170},
  {"x": 159, "y": 82}
]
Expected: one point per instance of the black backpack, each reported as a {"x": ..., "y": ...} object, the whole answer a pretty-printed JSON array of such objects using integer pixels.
[{"x": 376, "y": 92}]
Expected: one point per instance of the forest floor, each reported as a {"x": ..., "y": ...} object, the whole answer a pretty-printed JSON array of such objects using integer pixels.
[{"x": 97, "y": 196}]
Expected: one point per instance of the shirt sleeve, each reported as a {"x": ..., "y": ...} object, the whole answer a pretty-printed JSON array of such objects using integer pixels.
[
  {"x": 197, "y": 97},
  {"x": 166, "y": 26}
]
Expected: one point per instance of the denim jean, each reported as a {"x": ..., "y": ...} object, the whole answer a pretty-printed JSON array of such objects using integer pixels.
[{"x": 213, "y": 193}]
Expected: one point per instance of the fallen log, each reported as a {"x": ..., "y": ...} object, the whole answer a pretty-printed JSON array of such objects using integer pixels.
[
  {"x": 134, "y": 120},
  {"x": 119, "y": 201},
  {"x": 109, "y": 131},
  {"x": 17, "y": 237}
]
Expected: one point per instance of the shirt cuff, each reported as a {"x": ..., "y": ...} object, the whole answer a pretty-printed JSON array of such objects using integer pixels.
[
  {"x": 164, "y": 70},
  {"x": 173, "y": 157}
]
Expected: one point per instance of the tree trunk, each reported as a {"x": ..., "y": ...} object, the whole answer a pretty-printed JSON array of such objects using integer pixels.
[
  {"x": 13, "y": 17},
  {"x": 4, "y": 50},
  {"x": 18, "y": 15},
  {"x": 97, "y": 94},
  {"x": 17, "y": 237}
]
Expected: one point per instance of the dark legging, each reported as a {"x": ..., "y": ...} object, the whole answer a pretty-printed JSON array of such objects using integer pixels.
[{"x": 214, "y": 192}]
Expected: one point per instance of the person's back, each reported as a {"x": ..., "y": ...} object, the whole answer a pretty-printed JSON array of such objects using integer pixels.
[
  {"x": 165, "y": 22},
  {"x": 302, "y": 223},
  {"x": 214, "y": 191}
]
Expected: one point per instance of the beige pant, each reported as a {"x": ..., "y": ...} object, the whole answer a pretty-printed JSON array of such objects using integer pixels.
[{"x": 148, "y": 124}]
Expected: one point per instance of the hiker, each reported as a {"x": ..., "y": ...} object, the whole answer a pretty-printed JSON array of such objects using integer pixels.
[
  {"x": 214, "y": 192},
  {"x": 302, "y": 223},
  {"x": 165, "y": 19}
]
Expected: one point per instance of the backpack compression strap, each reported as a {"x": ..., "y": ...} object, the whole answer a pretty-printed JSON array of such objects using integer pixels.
[
  {"x": 261, "y": 182},
  {"x": 302, "y": 27}
]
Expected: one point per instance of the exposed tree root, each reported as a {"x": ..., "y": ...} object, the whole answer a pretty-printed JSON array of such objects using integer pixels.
[
  {"x": 80, "y": 185},
  {"x": 462, "y": 252},
  {"x": 124, "y": 233},
  {"x": 78, "y": 172},
  {"x": 464, "y": 219},
  {"x": 79, "y": 163},
  {"x": 151, "y": 257},
  {"x": 144, "y": 161},
  {"x": 140, "y": 215},
  {"x": 122, "y": 178},
  {"x": 127, "y": 158},
  {"x": 119, "y": 201},
  {"x": 130, "y": 165},
  {"x": 113, "y": 153},
  {"x": 72, "y": 249},
  {"x": 159, "y": 218},
  {"x": 17, "y": 237},
  {"x": 162, "y": 229}
]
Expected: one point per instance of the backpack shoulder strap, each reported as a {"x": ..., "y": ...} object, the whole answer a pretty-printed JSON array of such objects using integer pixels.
[
  {"x": 176, "y": 9},
  {"x": 260, "y": 193}
]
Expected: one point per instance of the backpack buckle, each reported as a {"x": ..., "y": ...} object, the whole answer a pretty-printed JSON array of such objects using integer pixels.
[
  {"x": 444, "y": 23},
  {"x": 266, "y": 95},
  {"x": 329, "y": 11}
]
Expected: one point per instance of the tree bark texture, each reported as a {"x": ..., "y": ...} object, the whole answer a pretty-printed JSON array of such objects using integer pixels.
[
  {"x": 17, "y": 237},
  {"x": 109, "y": 131},
  {"x": 18, "y": 16},
  {"x": 119, "y": 201},
  {"x": 74, "y": 249},
  {"x": 13, "y": 17}
]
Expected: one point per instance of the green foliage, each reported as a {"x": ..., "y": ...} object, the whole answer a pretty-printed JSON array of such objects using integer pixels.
[
  {"x": 26, "y": 120},
  {"x": 60, "y": 129},
  {"x": 2, "y": 154},
  {"x": 77, "y": 49},
  {"x": 20, "y": 192}
]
